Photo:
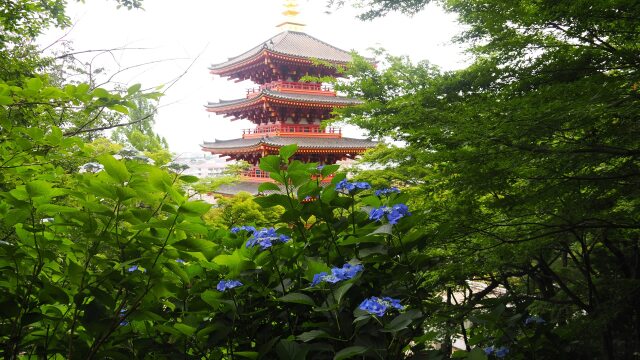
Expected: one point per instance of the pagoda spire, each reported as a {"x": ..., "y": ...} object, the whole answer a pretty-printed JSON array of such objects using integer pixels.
[{"x": 291, "y": 22}]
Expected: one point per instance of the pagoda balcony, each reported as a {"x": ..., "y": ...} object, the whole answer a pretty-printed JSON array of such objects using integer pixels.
[
  {"x": 292, "y": 130},
  {"x": 254, "y": 174},
  {"x": 292, "y": 87}
]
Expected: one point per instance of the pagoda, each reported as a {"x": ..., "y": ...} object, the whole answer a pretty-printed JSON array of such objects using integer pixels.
[{"x": 284, "y": 109}]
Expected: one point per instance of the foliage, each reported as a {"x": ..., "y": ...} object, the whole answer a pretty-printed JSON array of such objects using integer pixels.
[
  {"x": 240, "y": 209},
  {"x": 139, "y": 133},
  {"x": 527, "y": 163}
]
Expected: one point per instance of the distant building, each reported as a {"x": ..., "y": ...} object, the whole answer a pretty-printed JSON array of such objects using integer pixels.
[{"x": 201, "y": 165}]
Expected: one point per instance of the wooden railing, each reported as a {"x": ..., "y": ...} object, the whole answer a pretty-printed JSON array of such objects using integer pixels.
[
  {"x": 256, "y": 175},
  {"x": 291, "y": 130},
  {"x": 293, "y": 87}
]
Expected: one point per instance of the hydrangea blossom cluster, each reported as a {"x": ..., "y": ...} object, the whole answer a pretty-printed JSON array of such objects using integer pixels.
[
  {"x": 265, "y": 238},
  {"x": 91, "y": 167},
  {"x": 500, "y": 352},
  {"x": 378, "y": 306},
  {"x": 388, "y": 191},
  {"x": 122, "y": 315},
  {"x": 346, "y": 272},
  {"x": 133, "y": 154},
  {"x": 346, "y": 187},
  {"x": 534, "y": 319},
  {"x": 225, "y": 285},
  {"x": 393, "y": 213},
  {"x": 247, "y": 228}
]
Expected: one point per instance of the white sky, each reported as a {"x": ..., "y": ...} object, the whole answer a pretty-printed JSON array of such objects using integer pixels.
[{"x": 215, "y": 30}]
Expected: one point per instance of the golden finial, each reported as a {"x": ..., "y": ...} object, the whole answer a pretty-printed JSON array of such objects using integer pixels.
[{"x": 290, "y": 13}]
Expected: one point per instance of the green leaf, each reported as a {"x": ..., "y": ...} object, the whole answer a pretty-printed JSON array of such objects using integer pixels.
[
  {"x": 116, "y": 169},
  {"x": 34, "y": 84},
  {"x": 119, "y": 108},
  {"x": 314, "y": 267},
  {"x": 53, "y": 209},
  {"x": 349, "y": 352},
  {"x": 402, "y": 321},
  {"x": 195, "y": 207},
  {"x": 247, "y": 354},
  {"x": 38, "y": 188},
  {"x": 329, "y": 169},
  {"x": 185, "y": 329},
  {"x": 270, "y": 163},
  {"x": 341, "y": 291},
  {"x": 190, "y": 179},
  {"x": 291, "y": 350},
  {"x": 273, "y": 200},
  {"x": 287, "y": 151},
  {"x": 297, "y": 298},
  {"x": 6, "y": 100},
  {"x": 101, "y": 93},
  {"x": 313, "y": 334},
  {"x": 134, "y": 89},
  {"x": 268, "y": 186}
]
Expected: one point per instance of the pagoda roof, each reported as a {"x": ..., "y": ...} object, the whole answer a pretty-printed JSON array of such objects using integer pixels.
[
  {"x": 267, "y": 94},
  {"x": 290, "y": 43},
  {"x": 303, "y": 143}
]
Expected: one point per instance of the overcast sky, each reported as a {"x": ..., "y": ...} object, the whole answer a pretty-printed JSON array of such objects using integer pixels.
[{"x": 189, "y": 35}]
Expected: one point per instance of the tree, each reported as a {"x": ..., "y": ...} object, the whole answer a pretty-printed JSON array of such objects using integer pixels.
[
  {"x": 531, "y": 167},
  {"x": 240, "y": 209},
  {"x": 140, "y": 135}
]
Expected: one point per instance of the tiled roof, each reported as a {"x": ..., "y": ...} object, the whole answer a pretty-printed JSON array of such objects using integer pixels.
[
  {"x": 303, "y": 143},
  {"x": 232, "y": 189},
  {"x": 323, "y": 99},
  {"x": 292, "y": 43}
]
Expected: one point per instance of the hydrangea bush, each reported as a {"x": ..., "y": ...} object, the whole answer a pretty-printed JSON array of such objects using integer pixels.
[{"x": 126, "y": 268}]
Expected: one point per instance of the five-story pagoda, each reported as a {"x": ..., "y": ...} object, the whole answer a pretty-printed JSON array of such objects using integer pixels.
[{"x": 284, "y": 109}]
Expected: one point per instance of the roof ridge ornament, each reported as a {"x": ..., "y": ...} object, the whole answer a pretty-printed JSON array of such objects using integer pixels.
[{"x": 291, "y": 22}]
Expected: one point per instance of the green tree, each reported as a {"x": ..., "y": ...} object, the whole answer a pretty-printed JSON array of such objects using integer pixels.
[
  {"x": 530, "y": 168},
  {"x": 240, "y": 209}
]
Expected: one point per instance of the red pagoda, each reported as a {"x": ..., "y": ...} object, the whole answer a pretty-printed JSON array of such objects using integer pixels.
[{"x": 284, "y": 109}]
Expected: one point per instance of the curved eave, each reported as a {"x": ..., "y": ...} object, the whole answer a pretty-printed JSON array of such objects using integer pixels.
[
  {"x": 281, "y": 99},
  {"x": 244, "y": 146},
  {"x": 228, "y": 68}
]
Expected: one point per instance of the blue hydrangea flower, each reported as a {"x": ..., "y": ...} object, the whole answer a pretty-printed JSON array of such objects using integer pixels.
[
  {"x": 388, "y": 191},
  {"x": 489, "y": 350},
  {"x": 133, "y": 268},
  {"x": 247, "y": 228},
  {"x": 502, "y": 352},
  {"x": 346, "y": 272},
  {"x": 318, "y": 278},
  {"x": 374, "y": 306},
  {"x": 394, "y": 303},
  {"x": 362, "y": 185},
  {"x": 378, "y": 307},
  {"x": 265, "y": 238},
  {"x": 534, "y": 319},
  {"x": 346, "y": 187},
  {"x": 122, "y": 316},
  {"x": 378, "y": 213},
  {"x": 225, "y": 285},
  {"x": 180, "y": 261},
  {"x": 394, "y": 213}
]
